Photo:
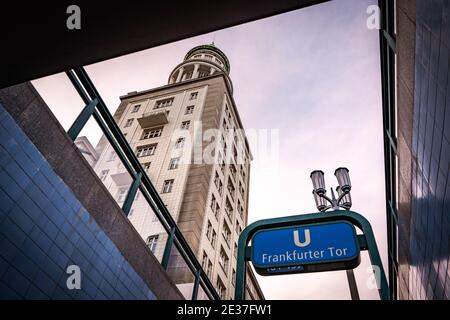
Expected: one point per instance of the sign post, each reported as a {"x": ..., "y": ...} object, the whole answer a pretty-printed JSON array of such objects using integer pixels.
[{"x": 307, "y": 243}]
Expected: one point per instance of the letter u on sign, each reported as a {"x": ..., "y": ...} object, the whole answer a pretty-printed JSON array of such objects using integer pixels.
[{"x": 297, "y": 241}]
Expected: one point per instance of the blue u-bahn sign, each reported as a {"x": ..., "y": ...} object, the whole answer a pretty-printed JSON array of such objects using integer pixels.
[{"x": 306, "y": 248}]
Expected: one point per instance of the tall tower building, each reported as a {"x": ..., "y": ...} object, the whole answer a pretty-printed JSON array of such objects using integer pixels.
[{"x": 189, "y": 137}]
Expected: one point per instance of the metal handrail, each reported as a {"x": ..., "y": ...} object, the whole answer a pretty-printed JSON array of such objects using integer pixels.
[{"x": 96, "y": 107}]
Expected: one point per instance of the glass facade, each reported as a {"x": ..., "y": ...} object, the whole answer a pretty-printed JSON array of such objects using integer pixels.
[
  {"x": 44, "y": 229},
  {"x": 429, "y": 275}
]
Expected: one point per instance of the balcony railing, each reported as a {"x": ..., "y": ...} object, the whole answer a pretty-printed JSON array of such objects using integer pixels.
[
  {"x": 153, "y": 119},
  {"x": 96, "y": 108}
]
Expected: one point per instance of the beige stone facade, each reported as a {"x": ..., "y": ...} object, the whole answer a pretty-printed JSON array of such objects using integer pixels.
[{"x": 171, "y": 129}]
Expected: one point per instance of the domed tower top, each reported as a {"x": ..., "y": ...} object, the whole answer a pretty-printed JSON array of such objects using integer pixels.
[{"x": 201, "y": 61}]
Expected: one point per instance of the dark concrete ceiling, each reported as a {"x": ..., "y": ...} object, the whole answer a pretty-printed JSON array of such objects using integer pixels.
[{"x": 36, "y": 41}]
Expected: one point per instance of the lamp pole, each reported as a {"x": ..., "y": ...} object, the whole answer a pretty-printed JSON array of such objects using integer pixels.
[{"x": 344, "y": 201}]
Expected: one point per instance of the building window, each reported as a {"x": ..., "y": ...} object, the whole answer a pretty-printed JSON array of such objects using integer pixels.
[
  {"x": 129, "y": 123},
  {"x": 209, "y": 269},
  {"x": 238, "y": 228},
  {"x": 217, "y": 212},
  {"x": 185, "y": 125},
  {"x": 233, "y": 278},
  {"x": 213, "y": 238},
  {"x": 167, "y": 186},
  {"x": 130, "y": 213},
  {"x": 189, "y": 110},
  {"x": 152, "y": 242},
  {"x": 122, "y": 194},
  {"x": 223, "y": 260},
  {"x": 228, "y": 208},
  {"x": 226, "y": 232},
  {"x": 104, "y": 174},
  {"x": 218, "y": 183},
  {"x": 230, "y": 187},
  {"x": 146, "y": 165},
  {"x": 209, "y": 231},
  {"x": 241, "y": 189},
  {"x": 163, "y": 103},
  {"x": 209, "y": 57},
  {"x": 174, "y": 163},
  {"x": 220, "y": 288},
  {"x": 136, "y": 108},
  {"x": 216, "y": 180},
  {"x": 213, "y": 203},
  {"x": 220, "y": 187},
  {"x": 235, "y": 250},
  {"x": 152, "y": 133},
  {"x": 179, "y": 143},
  {"x": 205, "y": 260},
  {"x": 233, "y": 171},
  {"x": 145, "y": 151},
  {"x": 193, "y": 96},
  {"x": 241, "y": 209},
  {"x": 197, "y": 56},
  {"x": 112, "y": 156}
]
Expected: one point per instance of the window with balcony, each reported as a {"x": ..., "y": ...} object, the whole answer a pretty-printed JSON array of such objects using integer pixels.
[
  {"x": 152, "y": 242},
  {"x": 152, "y": 133},
  {"x": 189, "y": 110},
  {"x": 185, "y": 125},
  {"x": 193, "y": 95},
  {"x": 224, "y": 260},
  {"x": 167, "y": 186},
  {"x": 136, "y": 108},
  {"x": 145, "y": 151},
  {"x": 163, "y": 103},
  {"x": 129, "y": 123},
  {"x": 174, "y": 162}
]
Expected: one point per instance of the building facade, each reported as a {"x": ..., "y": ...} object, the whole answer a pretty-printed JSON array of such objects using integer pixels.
[
  {"x": 189, "y": 138},
  {"x": 419, "y": 126}
]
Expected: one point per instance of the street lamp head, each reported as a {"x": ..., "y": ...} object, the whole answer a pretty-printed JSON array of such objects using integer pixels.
[
  {"x": 321, "y": 203},
  {"x": 346, "y": 200},
  {"x": 318, "y": 180},
  {"x": 343, "y": 179}
]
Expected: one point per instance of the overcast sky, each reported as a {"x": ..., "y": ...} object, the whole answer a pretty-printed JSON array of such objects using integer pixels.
[{"x": 311, "y": 74}]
